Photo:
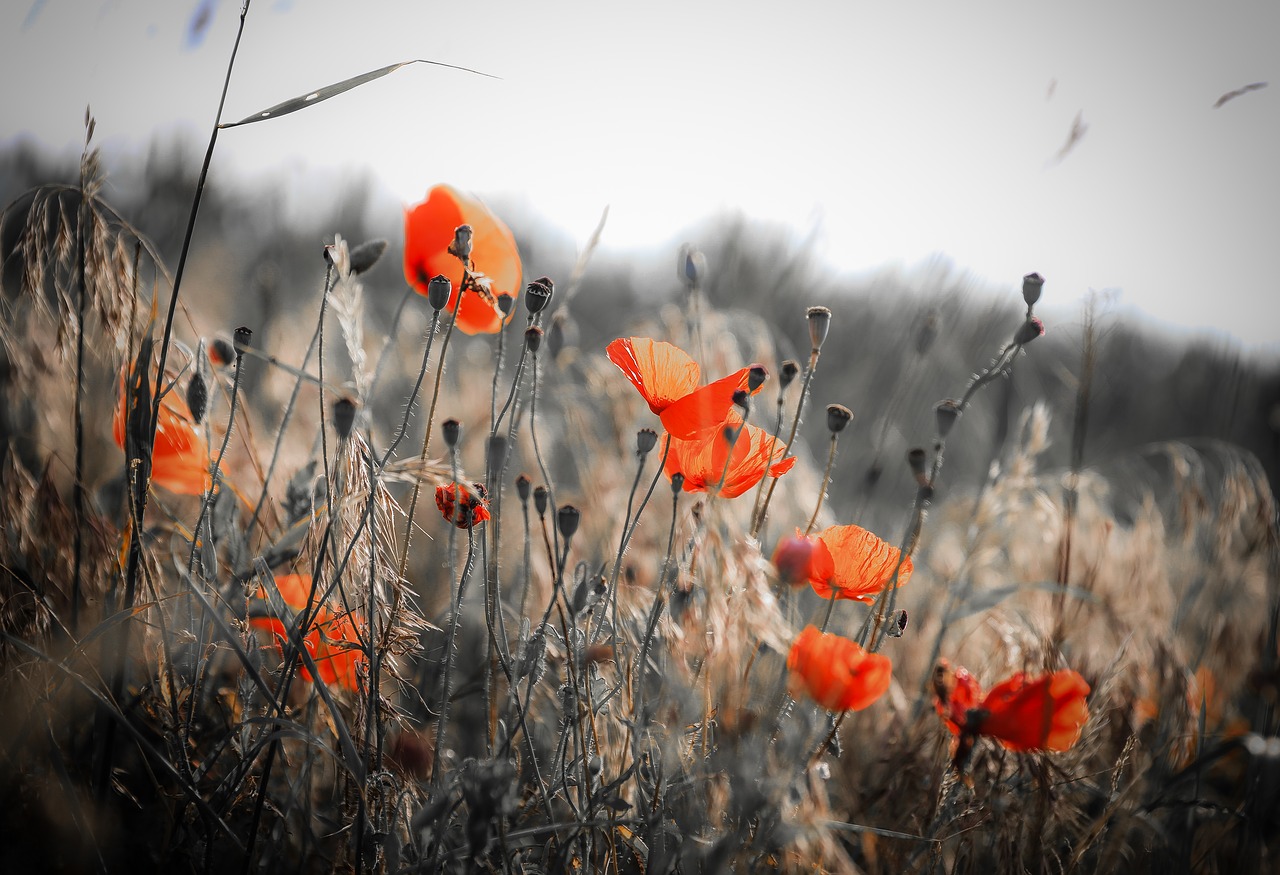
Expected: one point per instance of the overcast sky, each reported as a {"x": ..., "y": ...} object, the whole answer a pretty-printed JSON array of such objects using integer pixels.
[{"x": 895, "y": 131}]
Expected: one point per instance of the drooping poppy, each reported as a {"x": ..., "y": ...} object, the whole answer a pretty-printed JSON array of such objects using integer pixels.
[
  {"x": 861, "y": 564},
  {"x": 332, "y": 639},
  {"x": 180, "y": 456},
  {"x": 1042, "y": 713},
  {"x": 667, "y": 378},
  {"x": 703, "y": 461},
  {"x": 801, "y": 558},
  {"x": 836, "y": 672},
  {"x": 464, "y": 506},
  {"x": 428, "y": 232}
]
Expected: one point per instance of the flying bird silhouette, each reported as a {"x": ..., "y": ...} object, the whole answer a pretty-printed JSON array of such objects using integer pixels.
[{"x": 1232, "y": 95}]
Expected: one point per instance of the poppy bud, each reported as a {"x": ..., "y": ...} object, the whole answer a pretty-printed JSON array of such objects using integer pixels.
[
  {"x": 366, "y": 255},
  {"x": 691, "y": 266},
  {"x": 677, "y": 482},
  {"x": 197, "y": 396},
  {"x": 241, "y": 339},
  {"x": 567, "y": 518},
  {"x": 451, "y": 429},
  {"x": 523, "y": 486},
  {"x": 344, "y": 416},
  {"x": 916, "y": 459},
  {"x": 819, "y": 325},
  {"x": 646, "y": 440},
  {"x": 1029, "y": 331},
  {"x": 461, "y": 245},
  {"x": 439, "y": 288},
  {"x": 927, "y": 332},
  {"x": 533, "y": 338},
  {"x": 947, "y": 412},
  {"x": 1032, "y": 283},
  {"x": 756, "y": 375},
  {"x": 506, "y": 303},
  {"x": 788, "y": 372},
  {"x": 497, "y": 451},
  {"x": 563, "y": 332},
  {"x": 742, "y": 398},
  {"x": 220, "y": 352},
  {"x": 537, "y": 295},
  {"x": 838, "y": 417},
  {"x": 540, "y": 500}
]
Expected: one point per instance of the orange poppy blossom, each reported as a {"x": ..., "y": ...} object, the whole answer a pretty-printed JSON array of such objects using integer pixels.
[
  {"x": 1047, "y": 712},
  {"x": 429, "y": 230},
  {"x": 180, "y": 456},
  {"x": 464, "y": 506},
  {"x": 836, "y": 672},
  {"x": 848, "y": 561},
  {"x": 703, "y": 461},
  {"x": 667, "y": 378},
  {"x": 332, "y": 640}
]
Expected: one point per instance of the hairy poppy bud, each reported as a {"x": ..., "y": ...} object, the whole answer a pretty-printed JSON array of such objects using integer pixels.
[
  {"x": 366, "y": 255},
  {"x": 756, "y": 375},
  {"x": 819, "y": 325},
  {"x": 1029, "y": 331},
  {"x": 540, "y": 500},
  {"x": 947, "y": 412},
  {"x": 1032, "y": 284},
  {"x": 567, "y": 518},
  {"x": 677, "y": 482},
  {"x": 788, "y": 372},
  {"x": 344, "y": 416},
  {"x": 537, "y": 295},
  {"x": 451, "y": 429},
  {"x": 646, "y": 440},
  {"x": 439, "y": 288},
  {"x": 506, "y": 303},
  {"x": 533, "y": 338},
  {"x": 241, "y": 339},
  {"x": 523, "y": 487},
  {"x": 197, "y": 396},
  {"x": 461, "y": 245},
  {"x": 838, "y": 416}
]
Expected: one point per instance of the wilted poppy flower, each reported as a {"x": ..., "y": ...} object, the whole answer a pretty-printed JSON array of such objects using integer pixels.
[
  {"x": 668, "y": 378},
  {"x": 180, "y": 458},
  {"x": 332, "y": 639},
  {"x": 861, "y": 564},
  {"x": 463, "y": 505},
  {"x": 836, "y": 672},
  {"x": 801, "y": 558},
  {"x": 429, "y": 231},
  {"x": 1043, "y": 713},
  {"x": 703, "y": 461}
]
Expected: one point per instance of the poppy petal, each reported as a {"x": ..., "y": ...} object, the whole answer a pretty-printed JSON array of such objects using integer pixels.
[
  {"x": 662, "y": 372},
  {"x": 1045, "y": 713},
  {"x": 836, "y": 672},
  {"x": 703, "y": 409},
  {"x": 863, "y": 564}
]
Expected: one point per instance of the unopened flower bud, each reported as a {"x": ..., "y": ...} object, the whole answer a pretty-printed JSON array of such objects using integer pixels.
[
  {"x": 523, "y": 487},
  {"x": 677, "y": 482},
  {"x": 788, "y": 372},
  {"x": 540, "y": 500},
  {"x": 1029, "y": 331},
  {"x": 198, "y": 396},
  {"x": 562, "y": 333},
  {"x": 537, "y": 295},
  {"x": 1032, "y": 284},
  {"x": 756, "y": 375},
  {"x": 241, "y": 339},
  {"x": 916, "y": 459},
  {"x": 819, "y": 325},
  {"x": 646, "y": 440},
  {"x": 461, "y": 245},
  {"x": 838, "y": 416},
  {"x": 506, "y": 303},
  {"x": 691, "y": 266},
  {"x": 451, "y": 429},
  {"x": 344, "y": 416},
  {"x": 947, "y": 412},
  {"x": 567, "y": 519},
  {"x": 742, "y": 398},
  {"x": 533, "y": 338},
  {"x": 439, "y": 289},
  {"x": 366, "y": 255},
  {"x": 221, "y": 353}
]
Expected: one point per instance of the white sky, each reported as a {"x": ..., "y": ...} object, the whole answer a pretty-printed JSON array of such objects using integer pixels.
[{"x": 896, "y": 130}]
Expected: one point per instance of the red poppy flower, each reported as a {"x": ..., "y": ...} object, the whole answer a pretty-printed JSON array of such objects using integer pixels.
[
  {"x": 1043, "y": 713},
  {"x": 802, "y": 558},
  {"x": 861, "y": 564},
  {"x": 332, "y": 640},
  {"x": 836, "y": 672},
  {"x": 703, "y": 461},
  {"x": 180, "y": 457},
  {"x": 668, "y": 378},
  {"x": 462, "y": 505},
  {"x": 428, "y": 231}
]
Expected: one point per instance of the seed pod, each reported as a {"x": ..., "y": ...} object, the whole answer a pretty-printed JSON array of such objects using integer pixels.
[
  {"x": 1029, "y": 331},
  {"x": 646, "y": 440},
  {"x": 1032, "y": 284},
  {"x": 451, "y": 429},
  {"x": 537, "y": 295},
  {"x": 506, "y": 303},
  {"x": 947, "y": 412},
  {"x": 838, "y": 416},
  {"x": 567, "y": 518},
  {"x": 819, "y": 325},
  {"x": 523, "y": 487},
  {"x": 788, "y": 372},
  {"x": 461, "y": 245},
  {"x": 540, "y": 500},
  {"x": 344, "y": 416},
  {"x": 533, "y": 338},
  {"x": 756, "y": 375},
  {"x": 241, "y": 339},
  {"x": 438, "y": 291}
]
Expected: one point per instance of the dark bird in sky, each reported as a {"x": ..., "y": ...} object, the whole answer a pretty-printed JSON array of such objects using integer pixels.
[{"x": 1232, "y": 95}]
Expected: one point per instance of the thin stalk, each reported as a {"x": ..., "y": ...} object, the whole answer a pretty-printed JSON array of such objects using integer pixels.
[
  {"x": 826, "y": 480},
  {"x": 795, "y": 424},
  {"x": 446, "y": 681}
]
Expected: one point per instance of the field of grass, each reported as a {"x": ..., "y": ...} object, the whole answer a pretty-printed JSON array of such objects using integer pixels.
[{"x": 367, "y": 586}]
